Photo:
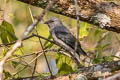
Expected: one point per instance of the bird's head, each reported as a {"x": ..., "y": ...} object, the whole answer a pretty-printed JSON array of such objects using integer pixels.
[{"x": 53, "y": 22}]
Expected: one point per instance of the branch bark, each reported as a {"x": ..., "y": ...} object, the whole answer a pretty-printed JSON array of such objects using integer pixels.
[
  {"x": 101, "y": 13},
  {"x": 91, "y": 73}
]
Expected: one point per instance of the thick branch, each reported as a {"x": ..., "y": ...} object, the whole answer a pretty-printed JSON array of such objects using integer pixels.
[
  {"x": 106, "y": 15},
  {"x": 92, "y": 72}
]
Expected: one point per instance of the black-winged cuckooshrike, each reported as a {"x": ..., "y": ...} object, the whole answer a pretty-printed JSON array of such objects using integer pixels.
[{"x": 64, "y": 38}]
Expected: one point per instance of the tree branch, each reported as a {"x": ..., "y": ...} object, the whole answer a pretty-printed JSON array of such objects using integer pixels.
[
  {"x": 101, "y": 13},
  {"x": 92, "y": 73}
]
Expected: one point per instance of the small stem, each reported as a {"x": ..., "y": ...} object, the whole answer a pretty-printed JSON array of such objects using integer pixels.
[{"x": 78, "y": 24}]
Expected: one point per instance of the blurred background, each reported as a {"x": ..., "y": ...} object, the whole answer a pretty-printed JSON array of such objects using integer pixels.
[{"x": 100, "y": 44}]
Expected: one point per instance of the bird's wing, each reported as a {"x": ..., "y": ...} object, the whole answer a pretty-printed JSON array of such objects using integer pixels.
[
  {"x": 66, "y": 38},
  {"x": 69, "y": 39}
]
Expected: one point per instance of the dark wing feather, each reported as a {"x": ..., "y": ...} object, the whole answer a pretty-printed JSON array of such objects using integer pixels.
[{"x": 68, "y": 39}]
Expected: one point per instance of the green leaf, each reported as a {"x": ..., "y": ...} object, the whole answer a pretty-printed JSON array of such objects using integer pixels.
[
  {"x": 108, "y": 58},
  {"x": 4, "y": 37},
  {"x": 7, "y": 33},
  {"x": 64, "y": 69},
  {"x": 7, "y": 74},
  {"x": 63, "y": 64},
  {"x": 18, "y": 52},
  {"x": 102, "y": 47},
  {"x": 97, "y": 60},
  {"x": 5, "y": 51},
  {"x": 15, "y": 64},
  {"x": 97, "y": 54},
  {"x": 58, "y": 57},
  {"x": 83, "y": 29},
  {"x": 97, "y": 32},
  {"x": 8, "y": 26},
  {"x": 47, "y": 44}
]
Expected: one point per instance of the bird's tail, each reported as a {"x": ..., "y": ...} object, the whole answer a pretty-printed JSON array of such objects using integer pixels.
[
  {"x": 81, "y": 51},
  {"x": 77, "y": 60},
  {"x": 76, "y": 57}
]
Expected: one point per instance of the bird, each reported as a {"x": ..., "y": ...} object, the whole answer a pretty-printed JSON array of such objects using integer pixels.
[{"x": 64, "y": 38}]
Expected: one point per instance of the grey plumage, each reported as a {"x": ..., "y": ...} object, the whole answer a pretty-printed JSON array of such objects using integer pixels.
[{"x": 63, "y": 37}]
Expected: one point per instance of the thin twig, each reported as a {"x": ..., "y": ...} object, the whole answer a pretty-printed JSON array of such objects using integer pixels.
[
  {"x": 47, "y": 50},
  {"x": 31, "y": 36},
  {"x": 45, "y": 55},
  {"x": 102, "y": 38},
  {"x": 78, "y": 27},
  {"x": 19, "y": 56},
  {"x": 37, "y": 33},
  {"x": 20, "y": 70},
  {"x": 78, "y": 23}
]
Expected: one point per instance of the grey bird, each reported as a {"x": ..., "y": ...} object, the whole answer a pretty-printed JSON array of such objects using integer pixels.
[{"x": 64, "y": 38}]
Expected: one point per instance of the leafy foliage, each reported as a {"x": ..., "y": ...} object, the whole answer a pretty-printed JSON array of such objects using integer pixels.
[
  {"x": 63, "y": 64},
  {"x": 7, "y": 33},
  {"x": 15, "y": 64},
  {"x": 84, "y": 29},
  {"x": 99, "y": 57},
  {"x": 7, "y": 74},
  {"x": 47, "y": 44}
]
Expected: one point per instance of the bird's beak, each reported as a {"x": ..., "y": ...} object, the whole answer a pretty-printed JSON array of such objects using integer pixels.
[{"x": 48, "y": 21}]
